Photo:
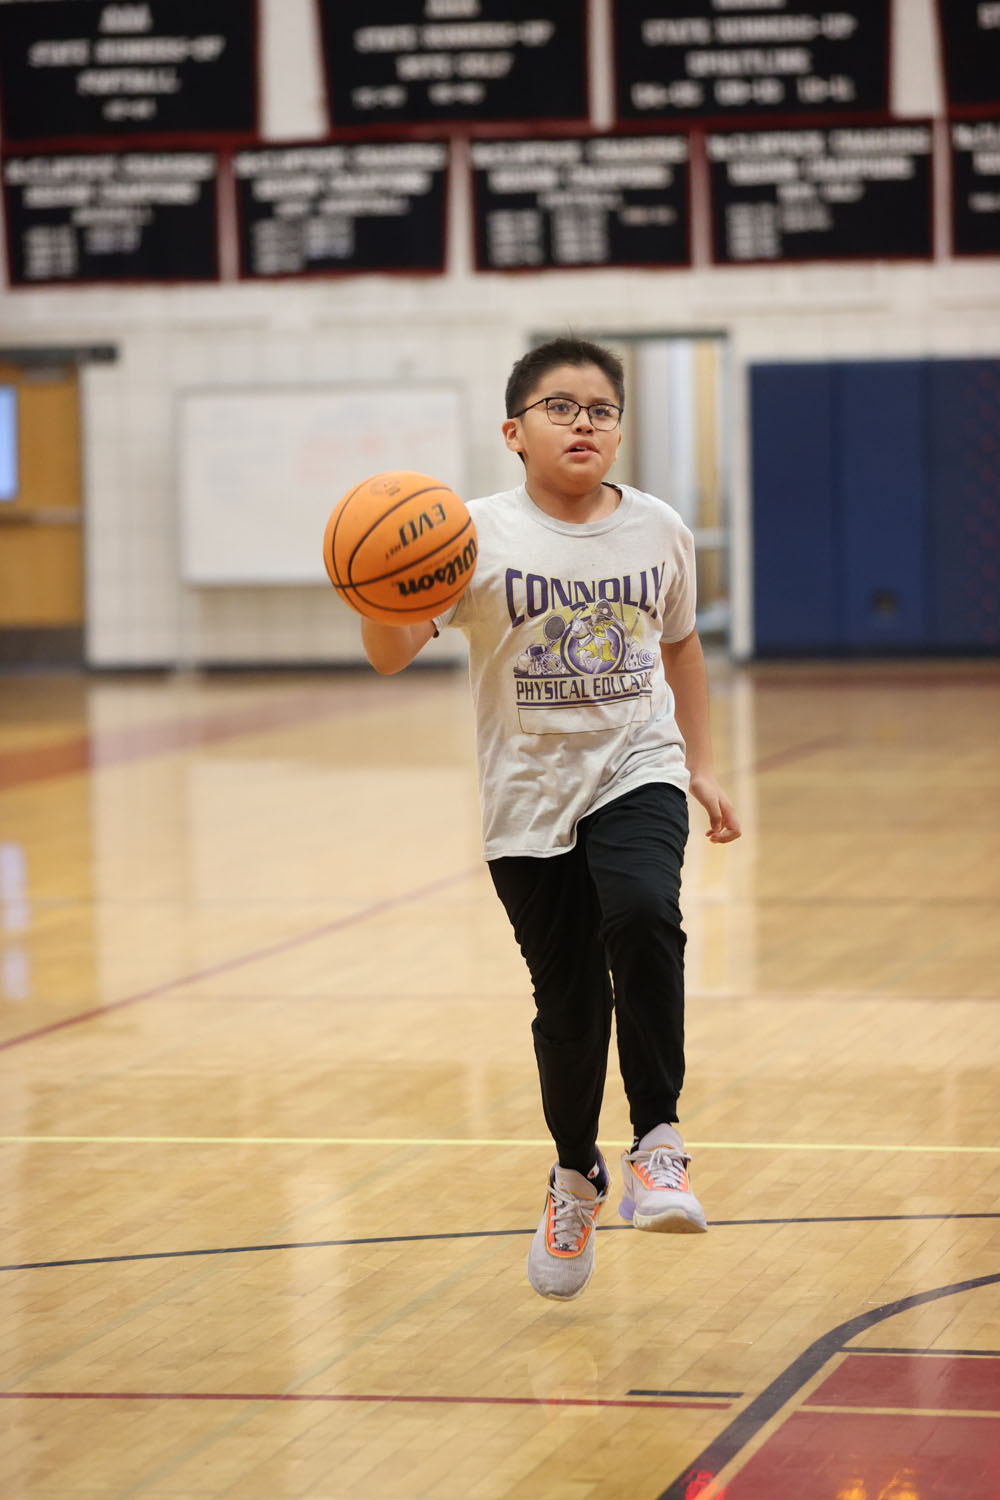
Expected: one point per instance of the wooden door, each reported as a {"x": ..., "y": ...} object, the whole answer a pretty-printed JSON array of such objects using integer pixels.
[{"x": 41, "y": 530}]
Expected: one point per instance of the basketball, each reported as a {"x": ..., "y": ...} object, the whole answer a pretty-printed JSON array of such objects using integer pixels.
[{"x": 400, "y": 547}]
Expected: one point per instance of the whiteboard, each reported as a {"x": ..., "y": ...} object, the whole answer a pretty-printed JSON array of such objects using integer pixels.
[{"x": 261, "y": 469}]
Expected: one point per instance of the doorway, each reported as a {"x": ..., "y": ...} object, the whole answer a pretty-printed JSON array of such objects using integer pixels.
[
  {"x": 675, "y": 446},
  {"x": 41, "y": 516}
]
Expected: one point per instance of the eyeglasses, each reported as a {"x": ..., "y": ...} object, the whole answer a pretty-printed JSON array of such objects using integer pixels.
[{"x": 603, "y": 415}]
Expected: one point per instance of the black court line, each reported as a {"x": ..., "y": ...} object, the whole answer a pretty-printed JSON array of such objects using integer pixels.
[
  {"x": 388, "y": 1239},
  {"x": 724, "y": 1448},
  {"x": 381, "y": 1398},
  {"x": 462, "y": 1234},
  {"x": 708, "y": 1395}
]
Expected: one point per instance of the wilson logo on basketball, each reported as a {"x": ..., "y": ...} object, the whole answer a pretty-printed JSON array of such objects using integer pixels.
[{"x": 448, "y": 573}]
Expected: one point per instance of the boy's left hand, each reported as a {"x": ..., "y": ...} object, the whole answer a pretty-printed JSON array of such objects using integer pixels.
[{"x": 725, "y": 825}]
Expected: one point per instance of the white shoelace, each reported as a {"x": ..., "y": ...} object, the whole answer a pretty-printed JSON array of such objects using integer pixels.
[
  {"x": 573, "y": 1215},
  {"x": 666, "y": 1168}
]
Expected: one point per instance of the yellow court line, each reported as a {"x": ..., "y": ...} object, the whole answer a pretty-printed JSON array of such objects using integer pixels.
[
  {"x": 406, "y": 1140},
  {"x": 896, "y": 1411}
]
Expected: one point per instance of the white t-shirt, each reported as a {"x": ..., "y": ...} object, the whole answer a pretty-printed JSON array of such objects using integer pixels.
[{"x": 564, "y": 624}]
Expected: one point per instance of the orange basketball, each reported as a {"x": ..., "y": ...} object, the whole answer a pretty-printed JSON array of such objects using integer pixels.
[{"x": 400, "y": 547}]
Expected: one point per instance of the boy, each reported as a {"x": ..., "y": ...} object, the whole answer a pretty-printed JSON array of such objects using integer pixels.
[{"x": 592, "y": 723}]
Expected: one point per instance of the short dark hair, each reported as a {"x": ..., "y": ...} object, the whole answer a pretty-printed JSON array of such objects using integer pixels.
[{"x": 563, "y": 351}]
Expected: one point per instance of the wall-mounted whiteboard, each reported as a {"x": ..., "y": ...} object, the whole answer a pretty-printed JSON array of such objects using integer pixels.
[{"x": 261, "y": 469}]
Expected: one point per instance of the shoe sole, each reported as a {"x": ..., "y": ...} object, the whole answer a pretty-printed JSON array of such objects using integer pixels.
[
  {"x": 673, "y": 1221},
  {"x": 669, "y": 1223}
]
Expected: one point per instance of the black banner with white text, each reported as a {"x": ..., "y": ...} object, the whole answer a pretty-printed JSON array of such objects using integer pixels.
[
  {"x": 591, "y": 201},
  {"x": 87, "y": 68},
  {"x": 705, "y": 58},
  {"x": 419, "y": 61},
  {"x": 111, "y": 216},
  {"x": 309, "y": 208},
  {"x": 848, "y": 192}
]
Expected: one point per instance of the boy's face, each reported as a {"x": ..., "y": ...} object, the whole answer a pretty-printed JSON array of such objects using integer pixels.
[{"x": 572, "y": 459}]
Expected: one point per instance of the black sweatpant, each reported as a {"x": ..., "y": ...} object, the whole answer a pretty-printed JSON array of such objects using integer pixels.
[{"x": 599, "y": 927}]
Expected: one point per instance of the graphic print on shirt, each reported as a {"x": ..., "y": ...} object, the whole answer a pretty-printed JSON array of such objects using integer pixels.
[{"x": 584, "y": 668}]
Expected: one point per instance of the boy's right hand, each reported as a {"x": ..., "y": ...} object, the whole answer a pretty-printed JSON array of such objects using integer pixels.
[{"x": 724, "y": 825}]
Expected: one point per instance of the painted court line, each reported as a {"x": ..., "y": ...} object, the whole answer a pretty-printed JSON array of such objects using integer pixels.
[
  {"x": 925, "y": 1412},
  {"x": 144, "y": 740},
  {"x": 459, "y": 1234},
  {"x": 796, "y": 752},
  {"x": 925, "y": 1353},
  {"x": 376, "y": 909},
  {"x": 445, "y": 1141},
  {"x": 709, "y": 1395},
  {"x": 721, "y": 1458},
  {"x": 381, "y": 1399},
  {"x": 102, "y": 749}
]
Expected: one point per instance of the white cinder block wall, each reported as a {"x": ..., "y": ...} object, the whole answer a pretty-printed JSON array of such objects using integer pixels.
[{"x": 461, "y": 328}]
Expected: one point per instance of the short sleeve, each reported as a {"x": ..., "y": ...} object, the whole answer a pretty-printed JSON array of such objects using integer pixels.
[
  {"x": 452, "y": 616},
  {"x": 681, "y": 598},
  {"x": 462, "y": 613}
]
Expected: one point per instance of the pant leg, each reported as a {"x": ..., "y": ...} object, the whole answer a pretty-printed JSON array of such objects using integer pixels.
[
  {"x": 635, "y": 850},
  {"x": 552, "y": 907}
]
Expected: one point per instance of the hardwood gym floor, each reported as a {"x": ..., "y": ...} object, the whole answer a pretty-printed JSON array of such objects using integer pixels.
[{"x": 271, "y": 1150}]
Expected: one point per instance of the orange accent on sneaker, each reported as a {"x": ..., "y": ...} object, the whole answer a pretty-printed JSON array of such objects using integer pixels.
[
  {"x": 642, "y": 1172},
  {"x": 577, "y": 1249}
]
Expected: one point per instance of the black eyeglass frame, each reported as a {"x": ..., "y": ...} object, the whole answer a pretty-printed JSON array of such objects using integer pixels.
[{"x": 544, "y": 401}]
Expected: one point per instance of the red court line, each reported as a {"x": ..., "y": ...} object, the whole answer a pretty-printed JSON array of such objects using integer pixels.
[
  {"x": 145, "y": 741},
  {"x": 229, "y": 964},
  {"x": 796, "y": 752},
  {"x": 371, "y": 1399},
  {"x": 88, "y": 752},
  {"x": 937, "y": 1382}
]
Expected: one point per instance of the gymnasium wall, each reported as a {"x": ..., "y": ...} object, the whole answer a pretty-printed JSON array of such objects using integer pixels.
[{"x": 462, "y": 327}]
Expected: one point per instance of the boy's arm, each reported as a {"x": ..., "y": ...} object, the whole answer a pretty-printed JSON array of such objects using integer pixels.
[
  {"x": 390, "y": 648},
  {"x": 684, "y": 665}
]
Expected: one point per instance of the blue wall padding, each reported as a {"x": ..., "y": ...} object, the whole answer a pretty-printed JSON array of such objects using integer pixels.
[
  {"x": 876, "y": 505},
  {"x": 964, "y": 501},
  {"x": 795, "y": 562},
  {"x": 879, "y": 498}
]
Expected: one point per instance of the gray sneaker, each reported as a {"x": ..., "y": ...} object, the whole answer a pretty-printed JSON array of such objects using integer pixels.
[
  {"x": 656, "y": 1188},
  {"x": 561, "y": 1257}
]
